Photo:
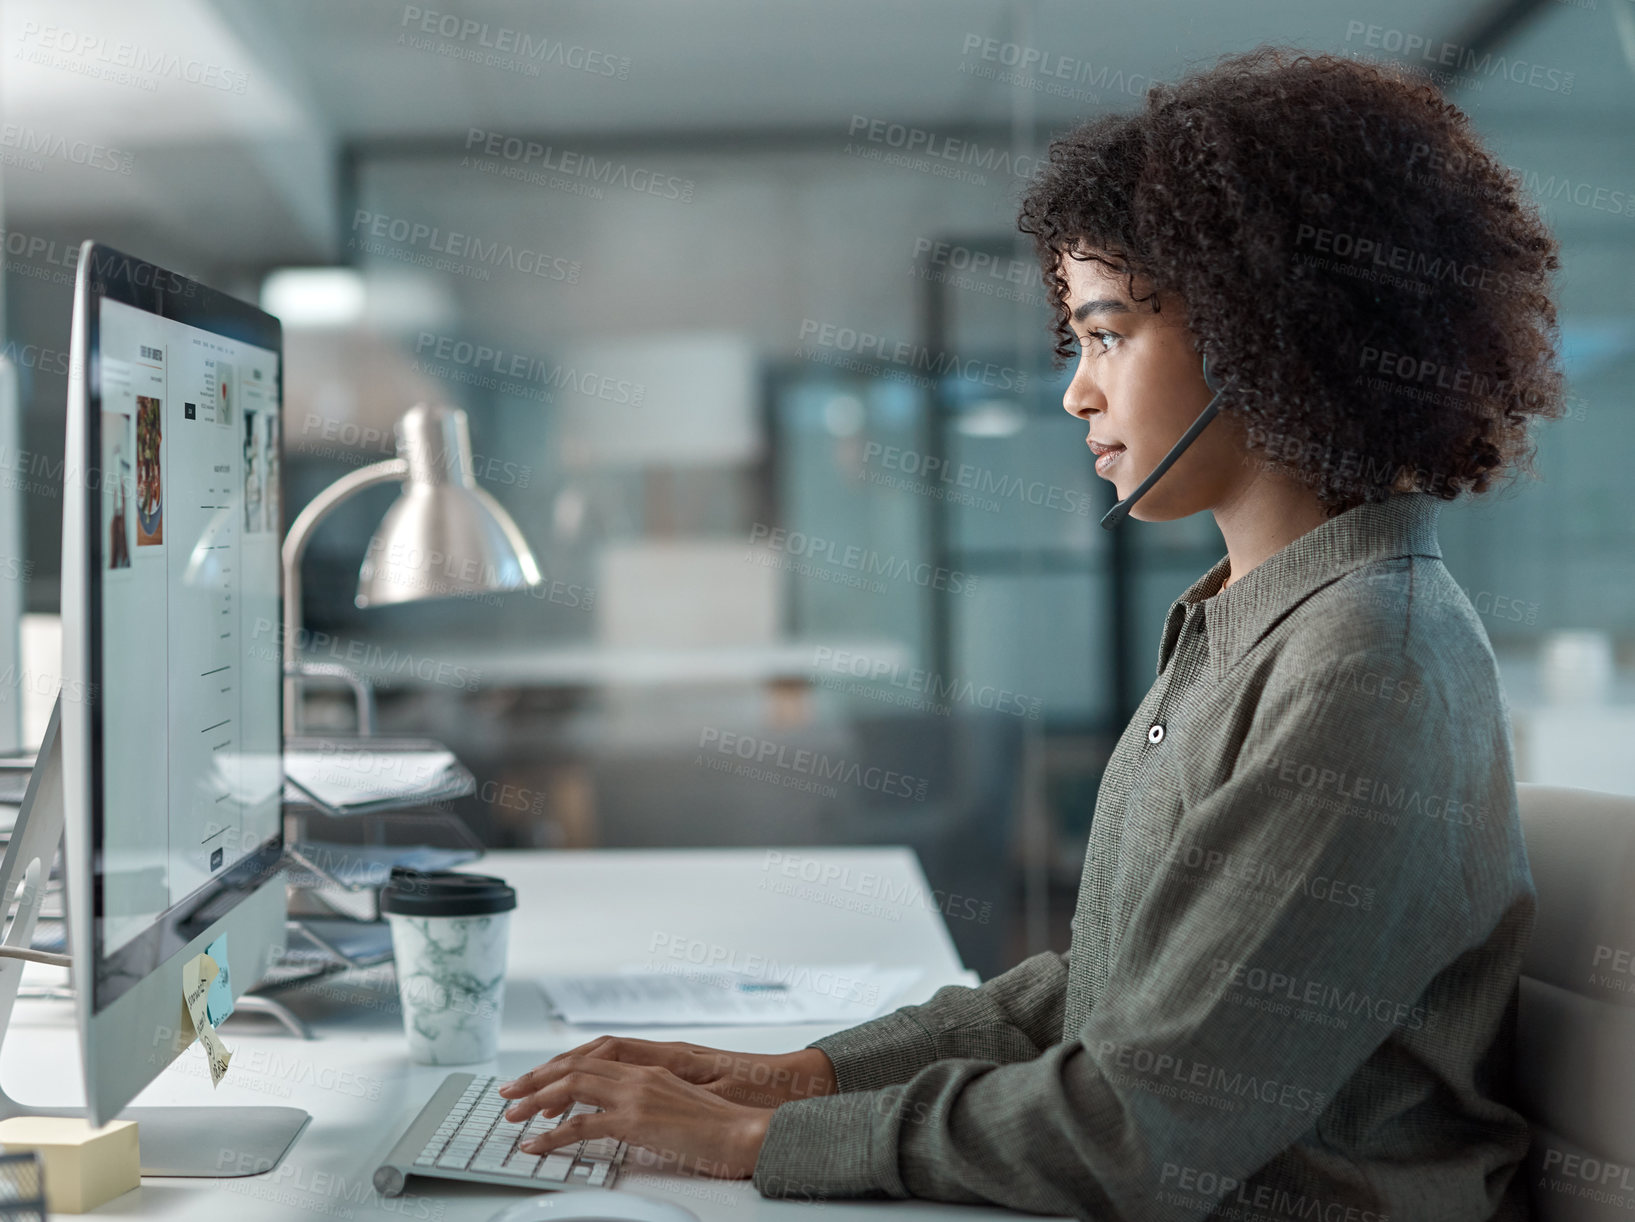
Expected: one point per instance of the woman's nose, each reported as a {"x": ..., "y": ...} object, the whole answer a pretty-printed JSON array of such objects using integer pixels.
[{"x": 1082, "y": 397}]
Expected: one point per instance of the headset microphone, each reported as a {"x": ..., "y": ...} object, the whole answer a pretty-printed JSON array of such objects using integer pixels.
[{"x": 1120, "y": 511}]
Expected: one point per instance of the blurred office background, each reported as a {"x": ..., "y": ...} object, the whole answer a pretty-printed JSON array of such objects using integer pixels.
[{"x": 754, "y": 356}]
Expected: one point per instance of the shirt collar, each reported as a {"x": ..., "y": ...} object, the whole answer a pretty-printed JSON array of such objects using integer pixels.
[{"x": 1236, "y": 617}]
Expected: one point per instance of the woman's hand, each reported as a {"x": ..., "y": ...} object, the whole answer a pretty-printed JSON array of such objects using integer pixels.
[
  {"x": 646, "y": 1105},
  {"x": 757, "y": 1079}
]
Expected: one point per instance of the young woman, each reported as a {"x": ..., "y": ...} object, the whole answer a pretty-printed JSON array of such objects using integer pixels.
[{"x": 1291, "y": 988}]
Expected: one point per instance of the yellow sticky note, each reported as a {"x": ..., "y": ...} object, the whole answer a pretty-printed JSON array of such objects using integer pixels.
[{"x": 197, "y": 973}]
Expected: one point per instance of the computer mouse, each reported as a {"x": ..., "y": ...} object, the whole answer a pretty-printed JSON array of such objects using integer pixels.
[{"x": 610, "y": 1205}]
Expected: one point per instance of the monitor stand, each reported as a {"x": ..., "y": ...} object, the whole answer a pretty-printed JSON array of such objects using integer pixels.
[{"x": 180, "y": 1141}]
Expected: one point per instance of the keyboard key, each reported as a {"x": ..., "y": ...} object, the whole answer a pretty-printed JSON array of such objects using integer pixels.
[
  {"x": 600, "y": 1148},
  {"x": 453, "y": 1161},
  {"x": 555, "y": 1167},
  {"x": 523, "y": 1164},
  {"x": 598, "y": 1175}
]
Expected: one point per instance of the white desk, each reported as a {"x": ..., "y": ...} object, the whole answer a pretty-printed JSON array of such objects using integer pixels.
[
  {"x": 513, "y": 664},
  {"x": 575, "y": 910}
]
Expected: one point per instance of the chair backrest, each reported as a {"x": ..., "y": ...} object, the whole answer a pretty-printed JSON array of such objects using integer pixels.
[{"x": 1575, "y": 1046}]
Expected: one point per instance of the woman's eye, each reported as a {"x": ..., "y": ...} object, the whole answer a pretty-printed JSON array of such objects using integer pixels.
[{"x": 1100, "y": 339}]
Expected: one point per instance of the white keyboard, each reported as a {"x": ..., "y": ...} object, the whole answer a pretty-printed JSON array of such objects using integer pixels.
[{"x": 462, "y": 1134}]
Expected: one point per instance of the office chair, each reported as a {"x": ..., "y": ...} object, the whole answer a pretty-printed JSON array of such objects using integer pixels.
[{"x": 1575, "y": 1045}]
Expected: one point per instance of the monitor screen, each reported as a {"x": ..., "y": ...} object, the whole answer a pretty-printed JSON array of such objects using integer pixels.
[{"x": 183, "y": 419}]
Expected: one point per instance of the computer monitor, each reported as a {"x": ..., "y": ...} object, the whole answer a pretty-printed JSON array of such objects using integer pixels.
[
  {"x": 14, "y": 569},
  {"x": 166, "y": 744}
]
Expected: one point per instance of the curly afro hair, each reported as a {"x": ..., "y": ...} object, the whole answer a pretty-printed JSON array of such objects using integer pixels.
[{"x": 1374, "y": 286}]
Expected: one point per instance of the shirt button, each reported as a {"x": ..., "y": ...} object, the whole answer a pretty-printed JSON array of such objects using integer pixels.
[{"x": 1155, "y": 734}]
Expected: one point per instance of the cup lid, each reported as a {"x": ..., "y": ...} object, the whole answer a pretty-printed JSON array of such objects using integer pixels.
[{"x": 445, "y": 893}]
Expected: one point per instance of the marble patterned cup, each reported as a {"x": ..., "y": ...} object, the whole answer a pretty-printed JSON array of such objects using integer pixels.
[{"x": 449, "y": 932}]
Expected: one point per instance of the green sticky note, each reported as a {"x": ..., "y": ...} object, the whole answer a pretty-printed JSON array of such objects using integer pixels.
[{"x": 218, "y": 1002}]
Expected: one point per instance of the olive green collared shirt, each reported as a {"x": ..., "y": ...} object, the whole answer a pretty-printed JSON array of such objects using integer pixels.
[{"x": 1291, "y": 985}]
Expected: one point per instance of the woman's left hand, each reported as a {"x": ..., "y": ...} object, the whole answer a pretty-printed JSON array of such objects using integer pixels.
[{"x": 686, "y": 1125}]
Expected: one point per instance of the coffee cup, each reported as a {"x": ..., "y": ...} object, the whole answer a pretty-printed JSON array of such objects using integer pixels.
[{"x": 449, "y": 935}]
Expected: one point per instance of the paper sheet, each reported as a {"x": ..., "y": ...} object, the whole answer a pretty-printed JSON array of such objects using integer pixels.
[
  {"x": 197, "y": 973},
  {"x": 684, "y": 994},
  {"x": 218, "y": 1002},
  {"x": 358, "y": 777}
]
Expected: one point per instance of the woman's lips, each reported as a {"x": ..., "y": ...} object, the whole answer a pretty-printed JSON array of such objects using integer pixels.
[{"x": 1106, "y": 453}]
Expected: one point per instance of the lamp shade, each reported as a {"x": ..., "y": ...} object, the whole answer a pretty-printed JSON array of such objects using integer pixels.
[{"x": 443, "y": 537}]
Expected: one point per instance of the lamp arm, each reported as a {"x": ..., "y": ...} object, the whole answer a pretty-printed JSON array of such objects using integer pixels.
[{"x": 295, "y": 547}]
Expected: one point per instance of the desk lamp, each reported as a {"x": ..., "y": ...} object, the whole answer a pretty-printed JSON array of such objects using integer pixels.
[{"x": 443, "y": 537}]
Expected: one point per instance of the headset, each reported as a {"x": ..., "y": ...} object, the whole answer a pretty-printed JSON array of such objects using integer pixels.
[{"x": 1120, "y": 511}]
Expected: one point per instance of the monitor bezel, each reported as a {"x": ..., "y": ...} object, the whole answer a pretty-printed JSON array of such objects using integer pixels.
[{"x": 116, "y": 276}]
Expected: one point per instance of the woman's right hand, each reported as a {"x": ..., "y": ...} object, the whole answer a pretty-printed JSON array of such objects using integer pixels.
[{"x": 753, "y": 1078}]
